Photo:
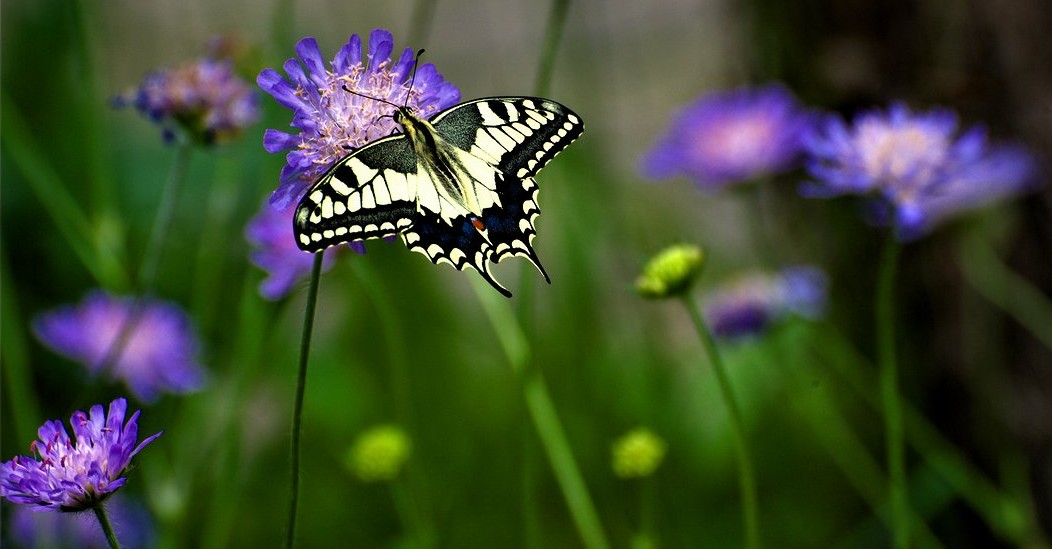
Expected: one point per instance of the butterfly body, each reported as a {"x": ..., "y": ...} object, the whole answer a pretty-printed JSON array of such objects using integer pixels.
[{"x": 457, "y": 188}]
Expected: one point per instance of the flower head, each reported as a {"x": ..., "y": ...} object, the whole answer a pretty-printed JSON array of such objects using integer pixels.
[
  {"x": 731, "y": 137},
  {"x": 331, "y": 120},
  {"x": 916, "y": 164},
  {"x": 671, "y": 272},
  {"x": 203, "y": 97},
  {"x": 129, "y": 518},
  {"x": 275, "y": 251},
  {"x": 747, "y": 305},
  {"x": 637, "y": 454},
  {"x": 74, "y": 475},
  {"x": 156, "y": 355},
  {"x": 379, "y": 453}
]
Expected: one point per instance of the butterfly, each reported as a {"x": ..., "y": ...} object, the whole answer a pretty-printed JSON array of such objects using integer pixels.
[{"x": 458, "y": 187}]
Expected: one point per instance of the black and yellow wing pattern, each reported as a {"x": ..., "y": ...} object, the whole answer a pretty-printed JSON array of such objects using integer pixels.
[{"x": 458, "y": 188}]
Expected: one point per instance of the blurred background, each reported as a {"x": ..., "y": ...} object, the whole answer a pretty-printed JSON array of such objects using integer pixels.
[{"x": 400, "y": 341}]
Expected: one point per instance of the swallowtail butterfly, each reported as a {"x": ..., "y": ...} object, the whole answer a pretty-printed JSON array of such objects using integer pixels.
[{"x": 459, "y": 187}]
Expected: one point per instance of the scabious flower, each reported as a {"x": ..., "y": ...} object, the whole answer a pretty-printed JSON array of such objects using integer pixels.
[
  {"x": 731, "y": 137},
  {"x": 157, "y": 355},
  {"x": 130, "y": 519},
  {"x": 672, "y": 272},
  {"x": 203, "y": 97},
  {"x": 637, "y": 454},
  {"x": 331, "y": 120},
  {"x": 749, "y": 304},
  {"x": 379, "y": 453},
  {"x": 917, "y": 165},
  {"x": 275, "y": 251},
  {"x": 75, "y": 475}
]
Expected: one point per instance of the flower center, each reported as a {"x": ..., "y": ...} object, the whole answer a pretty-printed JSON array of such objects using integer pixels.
[{"x": 904, "y": 159}]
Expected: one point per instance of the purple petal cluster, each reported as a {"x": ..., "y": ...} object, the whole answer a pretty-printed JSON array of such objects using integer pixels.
[
  {"x": 75, "y": 474},
  {"x": 731, "y": 137},
  {"x": 918, "y": 166},
  {"x": 158, "y": 354},
  {"x": 747, "y": 305},
  {"x": 203, "y": 97},
  {"x": 275, "y": 251},
  {"x": 331, "y": 120}
]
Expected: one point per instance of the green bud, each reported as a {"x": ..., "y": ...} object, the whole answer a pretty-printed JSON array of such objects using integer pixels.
[
  {"x": 672, "y": 272},
  {"x": 379, "y": 453},
  {"x": 637, "y": 454}
]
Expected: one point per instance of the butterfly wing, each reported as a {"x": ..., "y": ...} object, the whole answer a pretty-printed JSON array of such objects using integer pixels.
[
  {"x": 371, "y": 193},
  {"x": 380, "y": 190},
  {"x": 516, "y": 137}
]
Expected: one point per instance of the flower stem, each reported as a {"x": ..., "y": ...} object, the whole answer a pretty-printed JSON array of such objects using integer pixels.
[
  {"x": 889, "y": 391},
  {"x": 152, "y": 255},
  {"x": 552, "y": 36},
  {"x": 301, "y": 384},
  {"x": 545, "y": 418},
  {"x": 746, "y": 479},
  {"x": 107, "y": 528}
]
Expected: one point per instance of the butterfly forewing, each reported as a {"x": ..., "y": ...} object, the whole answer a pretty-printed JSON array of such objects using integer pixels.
[
  {"x": 381, "y": 189},
  {"x": 518, "y": 134},
  {"x": 369, "y": 194}
]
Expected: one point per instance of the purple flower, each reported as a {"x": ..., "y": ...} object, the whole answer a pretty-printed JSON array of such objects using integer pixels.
[
  {"x": 203, "y": 97},
  {"x": 731, "y": 137},
  {"x": 270, "y": 233},
  {"x": 75, "y": 475},
  {"x": 917, "y": 166},
  {"x": 749, "y": 304},
  {"x": 157, "y": 355},
  {"x": 130, "y": 520},
  {"x": 332, "y": 121}
]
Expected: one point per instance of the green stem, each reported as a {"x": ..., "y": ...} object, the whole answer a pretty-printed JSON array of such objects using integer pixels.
[
  {"x": 152, "y": 255},
  {"x": 415, "y": 488},
  {"x": 552, "y": 36},
  {"x": 1006, "y": 289},
  {"x": 545, "y": 418},
  {"x": 647, "y": 508},
  {"x": 974, "y": 487},
  {"x": 746, "y": 479},
  {"x": 889, "y": 391},
  {"x": 163, "y": 221},
  {"x": 54, "y": 197},
  {"x": 297, "y": 410},
  {"x": 107, "y": 528}
]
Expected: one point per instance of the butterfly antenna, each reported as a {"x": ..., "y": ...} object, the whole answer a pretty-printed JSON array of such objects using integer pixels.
[
  {"x": 359, "y": 94},
  {"x": 412, "y": 78}
]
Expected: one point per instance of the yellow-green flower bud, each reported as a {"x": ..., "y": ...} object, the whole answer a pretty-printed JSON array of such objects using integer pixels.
[
  {"x": 672, "y": 272},
  {"x": 379, "y": 453},
  {"x": 637, "y": 454}
]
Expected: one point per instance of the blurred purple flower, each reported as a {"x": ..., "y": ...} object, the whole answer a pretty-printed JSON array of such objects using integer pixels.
[
  {"x": 131, "y": 522},
  {"x": 157, "y": 356},
  {"x": 75, "y": 475},
  {"x": 748, "y": 305},
  {"x": 731, "y": 137},
  {"x": 275, "y": 251},
  {"x": 332, "y": 121},
  {"x": 203, "y": 97},
  {"x": 917, "y": 166}
]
